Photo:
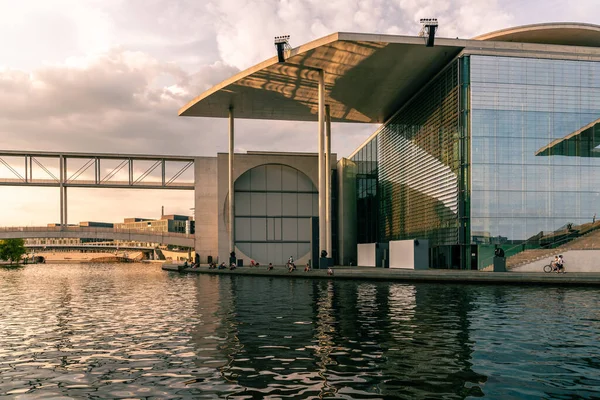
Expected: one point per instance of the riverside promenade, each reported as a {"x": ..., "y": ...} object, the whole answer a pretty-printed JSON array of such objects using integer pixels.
[{"x": 406, "y": 275}]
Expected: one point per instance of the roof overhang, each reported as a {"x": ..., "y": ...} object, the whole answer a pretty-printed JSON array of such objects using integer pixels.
[
  {"x": 561, "y": 33},
  {"x": 368, "y": 77}
]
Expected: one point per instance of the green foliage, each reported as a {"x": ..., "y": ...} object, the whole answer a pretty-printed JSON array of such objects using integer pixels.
[{"x": 12, "y": 250}]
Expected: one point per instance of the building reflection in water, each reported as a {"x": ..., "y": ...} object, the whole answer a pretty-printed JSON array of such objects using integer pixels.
[{"x": 277, "y": 337}]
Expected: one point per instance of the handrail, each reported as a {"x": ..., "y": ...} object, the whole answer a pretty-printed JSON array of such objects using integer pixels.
[{"x": 567, "y": 238}]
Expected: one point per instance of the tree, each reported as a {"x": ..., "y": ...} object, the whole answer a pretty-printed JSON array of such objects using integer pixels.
[{"x": 12, "y": 250}]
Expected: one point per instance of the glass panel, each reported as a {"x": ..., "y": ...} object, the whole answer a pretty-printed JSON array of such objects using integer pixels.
[
  {"x": 242, "y": 203},
  {"x": 289, "y": 178},
  {"x": 243, "y": 229},
  {"x": 534, "y": 131},
  {"x": 274, "y": 178},
  {"x": 259, "y": 229},
  {"x": 258, "y": 204},
  {"x": 290, "y": 229},
  {"x": 290, "y": 204},
  {"x": 274, "y": 204},
  {"x": 258, "y": 180}
]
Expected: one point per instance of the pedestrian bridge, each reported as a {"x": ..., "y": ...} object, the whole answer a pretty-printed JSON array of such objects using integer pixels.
[{"x": 83, "y": 232}]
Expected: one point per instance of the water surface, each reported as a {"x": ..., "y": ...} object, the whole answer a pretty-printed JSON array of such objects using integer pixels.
[{"x": 134, "y": 331}]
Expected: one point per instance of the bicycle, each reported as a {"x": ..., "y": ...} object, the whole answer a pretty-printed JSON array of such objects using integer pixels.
[{"x": 549, "y": 268}]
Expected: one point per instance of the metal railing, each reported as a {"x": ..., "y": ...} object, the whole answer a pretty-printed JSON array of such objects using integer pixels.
[{"x": 89, "y": 229}]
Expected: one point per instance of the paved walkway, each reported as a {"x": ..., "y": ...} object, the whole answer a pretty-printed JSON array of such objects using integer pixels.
[{"x": 404, "y": 275}]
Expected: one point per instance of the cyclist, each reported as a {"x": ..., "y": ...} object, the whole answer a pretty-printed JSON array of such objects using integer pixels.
[{"x": 560, "y": 265}]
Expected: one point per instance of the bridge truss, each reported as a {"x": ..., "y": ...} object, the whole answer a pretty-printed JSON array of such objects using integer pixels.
[{"x": 94, "y": 170}]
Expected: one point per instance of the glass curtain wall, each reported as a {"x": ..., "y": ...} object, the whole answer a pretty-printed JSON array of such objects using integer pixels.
[
  {"x": 419, "y": 160},
  {"x": 366, "y": 192},
  {"x": 535, "y": 149},
  {"x": 274, "y": 205}
]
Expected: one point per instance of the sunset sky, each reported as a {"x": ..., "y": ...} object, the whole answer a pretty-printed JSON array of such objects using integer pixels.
[{"x": 110, "y": 76}]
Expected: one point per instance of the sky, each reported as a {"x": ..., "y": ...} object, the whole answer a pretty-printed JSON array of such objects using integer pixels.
[{"x": 110, "y": 76}]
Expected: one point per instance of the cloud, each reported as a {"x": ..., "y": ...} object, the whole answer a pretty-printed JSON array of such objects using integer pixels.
[{"x": 110, "y": 75}]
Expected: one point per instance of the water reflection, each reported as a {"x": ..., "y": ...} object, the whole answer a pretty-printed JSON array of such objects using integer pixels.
[{"x": 130, "y": 331}]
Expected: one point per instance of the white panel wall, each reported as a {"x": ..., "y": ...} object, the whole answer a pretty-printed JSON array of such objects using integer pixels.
[
  {"x": 408, "y": 254},
  {"x": 366, "y": 254},
  {"x": 402, "y": 254}
]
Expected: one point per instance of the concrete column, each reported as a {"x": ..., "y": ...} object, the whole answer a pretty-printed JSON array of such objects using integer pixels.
[
  {"x": 65, "y": 205},
  {"x": 328, "y": 179},
  {"x": 231, "y": 193},
  {"x": 60, "y": 183},
  {"x": 321, "y": 151},
  {"x": 65, "y": 177}
]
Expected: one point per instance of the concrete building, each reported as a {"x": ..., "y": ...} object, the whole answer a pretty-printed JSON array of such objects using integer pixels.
[
  {"x": 275, "y": 204},
  {"x": 484, "y": 142},
  {"x": 166, "y": 223}
]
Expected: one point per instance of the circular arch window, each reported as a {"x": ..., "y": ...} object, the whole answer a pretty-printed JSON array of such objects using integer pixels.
[{"x": 274, "y": 206}]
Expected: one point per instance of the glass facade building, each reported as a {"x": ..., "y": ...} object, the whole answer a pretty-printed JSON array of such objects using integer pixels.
[
  {"x": 495, "y": 150},
  {"x": 413, "y": 169},
  {"x": 367, "y": 207},
  {"x": 532, "y": 174}
]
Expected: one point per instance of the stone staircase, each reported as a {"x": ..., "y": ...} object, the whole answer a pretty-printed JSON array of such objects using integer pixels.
[{"x": 590, "y": 240}]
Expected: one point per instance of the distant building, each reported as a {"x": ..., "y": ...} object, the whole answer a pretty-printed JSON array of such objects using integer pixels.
[{"x": 167, "y": 223}]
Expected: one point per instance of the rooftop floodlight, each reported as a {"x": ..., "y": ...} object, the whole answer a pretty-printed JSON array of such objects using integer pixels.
[
  {"x": 429, "y": 26},
  {"x": 283, "y": 45}
]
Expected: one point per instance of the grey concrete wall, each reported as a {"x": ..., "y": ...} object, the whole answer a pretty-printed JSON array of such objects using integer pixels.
[
  {"x": 575, "y": 261},
  {"x": 306, "y": 163},
  {"x": 347, "y": 228},
  {"x": 206, "y": 210}
]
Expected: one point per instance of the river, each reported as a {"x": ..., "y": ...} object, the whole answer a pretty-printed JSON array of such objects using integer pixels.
[{"x": 135, "y": 331}]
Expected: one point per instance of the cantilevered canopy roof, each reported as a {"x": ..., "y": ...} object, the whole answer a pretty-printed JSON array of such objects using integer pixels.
[
  {"x": 581, "y": 143},
  {"x": 367, "y": 76}
]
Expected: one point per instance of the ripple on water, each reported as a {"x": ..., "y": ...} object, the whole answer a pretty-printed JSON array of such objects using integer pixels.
[{"x": 134, "y": 331}]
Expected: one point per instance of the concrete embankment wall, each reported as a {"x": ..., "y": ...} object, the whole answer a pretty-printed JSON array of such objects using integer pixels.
[{"x": 404, "y": 275}]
